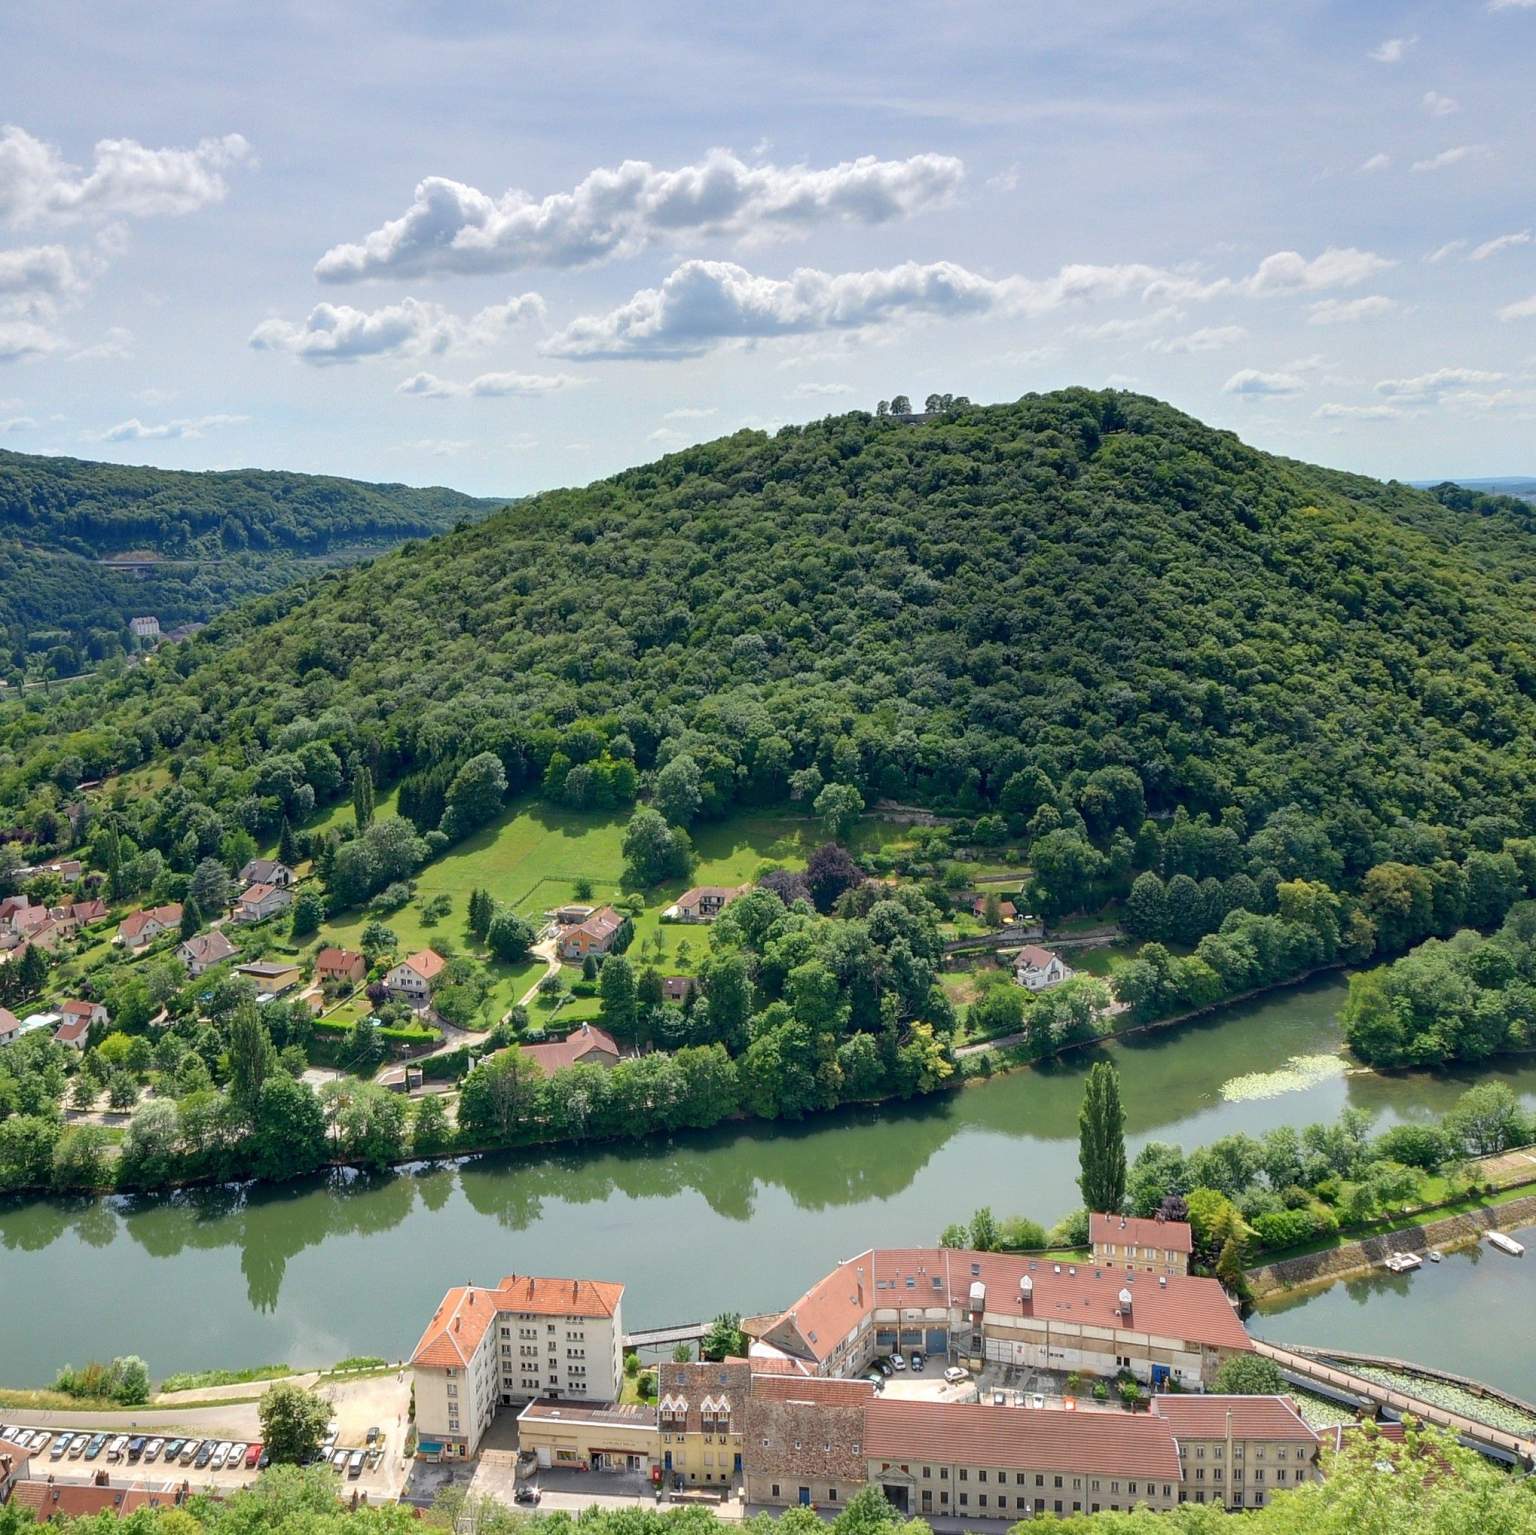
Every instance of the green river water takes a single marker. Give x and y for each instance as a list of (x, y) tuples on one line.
[(740, 1220)]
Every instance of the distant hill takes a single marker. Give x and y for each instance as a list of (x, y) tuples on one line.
[(981, 611), (1519, 485), (198, 541)]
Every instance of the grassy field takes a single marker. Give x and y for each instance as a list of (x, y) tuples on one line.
[(533, 856)]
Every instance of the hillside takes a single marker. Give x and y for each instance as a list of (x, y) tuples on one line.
[(979, 612), (202, 542)]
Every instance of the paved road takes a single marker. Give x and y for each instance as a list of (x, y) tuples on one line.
[(234, 1420)]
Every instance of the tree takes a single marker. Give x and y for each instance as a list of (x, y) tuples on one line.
[(616, 987), (508, 936), (431, 1132), (678, 793), (287, 847), (475, 795), (1248, 1375), (481, 909), (191, 919), (251, 1057), (682, 1354), (725, 1339), (308, 913), (653, 850), (377, 939), (829, 872), (1487, 1119), (362, 796), (1101, 1141), (984, 1233), (293, 1423), (209, 887), (900, 405), (839, 805)]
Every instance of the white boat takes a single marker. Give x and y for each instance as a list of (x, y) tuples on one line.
[(1506, 1244), (1435, 1255), (1402, 1263)]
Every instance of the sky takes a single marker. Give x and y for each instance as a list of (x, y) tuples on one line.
[(506, 247)]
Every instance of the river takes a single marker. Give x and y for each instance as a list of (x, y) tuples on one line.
[(732, 1220)]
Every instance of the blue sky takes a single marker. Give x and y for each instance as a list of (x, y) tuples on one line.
[(507, 247)]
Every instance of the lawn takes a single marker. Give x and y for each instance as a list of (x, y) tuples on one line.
[(533, 855)]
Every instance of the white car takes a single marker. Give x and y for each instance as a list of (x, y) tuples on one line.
[(954, 1375), (897, 1362), (153, 1448), (216, 1463), (235, 1456)]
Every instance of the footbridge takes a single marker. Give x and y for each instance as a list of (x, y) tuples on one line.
[(1307, 1369), (667, 1337)]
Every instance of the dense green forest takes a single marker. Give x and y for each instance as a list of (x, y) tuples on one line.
[(217, 537)]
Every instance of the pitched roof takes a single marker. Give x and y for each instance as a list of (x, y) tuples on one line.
[(208, 948), (337, 959), (571, 1050), (1032, 954), (1186, 1308), (603, 923), (254, 895), (135, 922), (825, 1389), (75, 1008), (71, 1030), (1141, 1231), (1253, 1417), (460, 1321), (1013, 1438), (8, 1020), (259, 871), (427, 963), (725, 893), (73, 1500)]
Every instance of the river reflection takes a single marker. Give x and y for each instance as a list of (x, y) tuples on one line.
[(739, 1218)]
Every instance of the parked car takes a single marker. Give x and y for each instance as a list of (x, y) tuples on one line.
[(252, 1455), (884, 1367), (153, 1448), (917, 1359), (21, 1437), (373, 1436), (173, 1449), (355, 1464), (339, 1459), (60, 1447), (526, 1494), (265, 1461), (77, 1446), (877, 1379), (204, 1453), (236, 1454), (189, 1451), (97, 1444), (897, 1362), (136, 1447), (954, 1375)]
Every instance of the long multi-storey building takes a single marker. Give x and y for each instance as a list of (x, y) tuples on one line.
[(1031, 1313), (526, 1339)]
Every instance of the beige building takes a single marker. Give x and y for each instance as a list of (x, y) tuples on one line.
[(1153, 1245), (701, 1415), (487, 1348), (413, 978), (1238, 1450), (589, 1436)]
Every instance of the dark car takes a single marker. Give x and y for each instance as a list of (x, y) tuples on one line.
[(204, 1454), (95, 1447), (884, 1367), (172, 1450), (135, 1447), (526, 1494), (917, 1359)]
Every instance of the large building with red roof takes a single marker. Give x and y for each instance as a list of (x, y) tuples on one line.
[(1153, 1245), (528, 1338), (1030, 1313)]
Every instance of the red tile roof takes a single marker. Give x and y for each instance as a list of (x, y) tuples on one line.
[(1253, 1417), (427, 963), (822, 1389), (133, 924), (602, 924), (1017, 1439), (74, 1500), (1139, 1230), (571, 1050), (71, 1030), (1033, 954), (459, 1323), (337, 959), (1189, 1309)]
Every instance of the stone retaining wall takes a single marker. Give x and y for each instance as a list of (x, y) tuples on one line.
[(1356, 1258)]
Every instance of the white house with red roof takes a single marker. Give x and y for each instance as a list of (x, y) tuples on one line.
[(527, 1338), (76, 1019), (1038, 968), (258, 902), (413, 978), (142, 927)]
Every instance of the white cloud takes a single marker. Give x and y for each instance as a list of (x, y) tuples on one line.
[(115, 345), (1428, 387), (1524, 309), (338, 333), (1511, 5), (1377, 162), (451, 227), (487, 385), (1438, 105), (1006, 180), (1332, 412), (1445, 252), (1139, 325), (138, 431), (691, 413), (1337, 267), (124, 179), (1451, 157), (820, 391), (1500, 243), (36, 279), (665, 436), (1347, 311), (23, 339), (1211, 338), (1393, 50), (438, 447), (1250, 383), (704, 303), (17, 424)]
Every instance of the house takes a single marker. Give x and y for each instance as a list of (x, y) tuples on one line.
[(272, 977), (340, 967), (1007, 912), (1261, 1443), (68, 870), (805, 1441), (1030, 1313), (22, 922), (593, 936), (79, 913), (569, 916), (10, 1026), (143, 927), (1038, 968), (701, 1415), (11, 1030), (678, 988), (15, 1462), (258, 902), (1155, 1245), (267, 871), (412, 979), (703, 903), (527, 1339), (588, 1436), (400, 1079), (586, 1045), (145, 627), (54, 1499), (77, 1018), (203, 951)]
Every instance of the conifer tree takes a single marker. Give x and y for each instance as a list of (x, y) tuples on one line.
[(1101, 1141)]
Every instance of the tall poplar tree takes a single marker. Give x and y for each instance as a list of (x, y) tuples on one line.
[(362, 796), (1101, 1141)]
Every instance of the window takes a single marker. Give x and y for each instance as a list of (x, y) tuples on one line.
[(831, 1495), (965, 1498), (927, 1473), (775, 1485), (965, 1474), (981, 1476), (982, 1500), (943, 1473), (1056, 1481), (452, 1389)]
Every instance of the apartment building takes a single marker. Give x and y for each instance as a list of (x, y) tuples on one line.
[(1238, 1450), (701, 1414), (1152, 1245), (994, 1308), (527, 1338)]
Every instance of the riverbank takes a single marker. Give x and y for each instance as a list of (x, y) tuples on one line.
[(1349, 1260)]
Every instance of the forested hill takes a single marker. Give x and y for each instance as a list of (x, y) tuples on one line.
[(213, 538), (978, 612)]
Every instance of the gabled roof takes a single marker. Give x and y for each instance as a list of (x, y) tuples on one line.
[(571, 1050), (74, 1500), (254, 895), (71, 1030), (459, 1323), (337, 959), (75, 1008), (260, 871), (1141, 1231), (723, 893), (1253, 1417), (602, 924), (1036, 957), (135, 922), (207, 948), (427, 963)]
